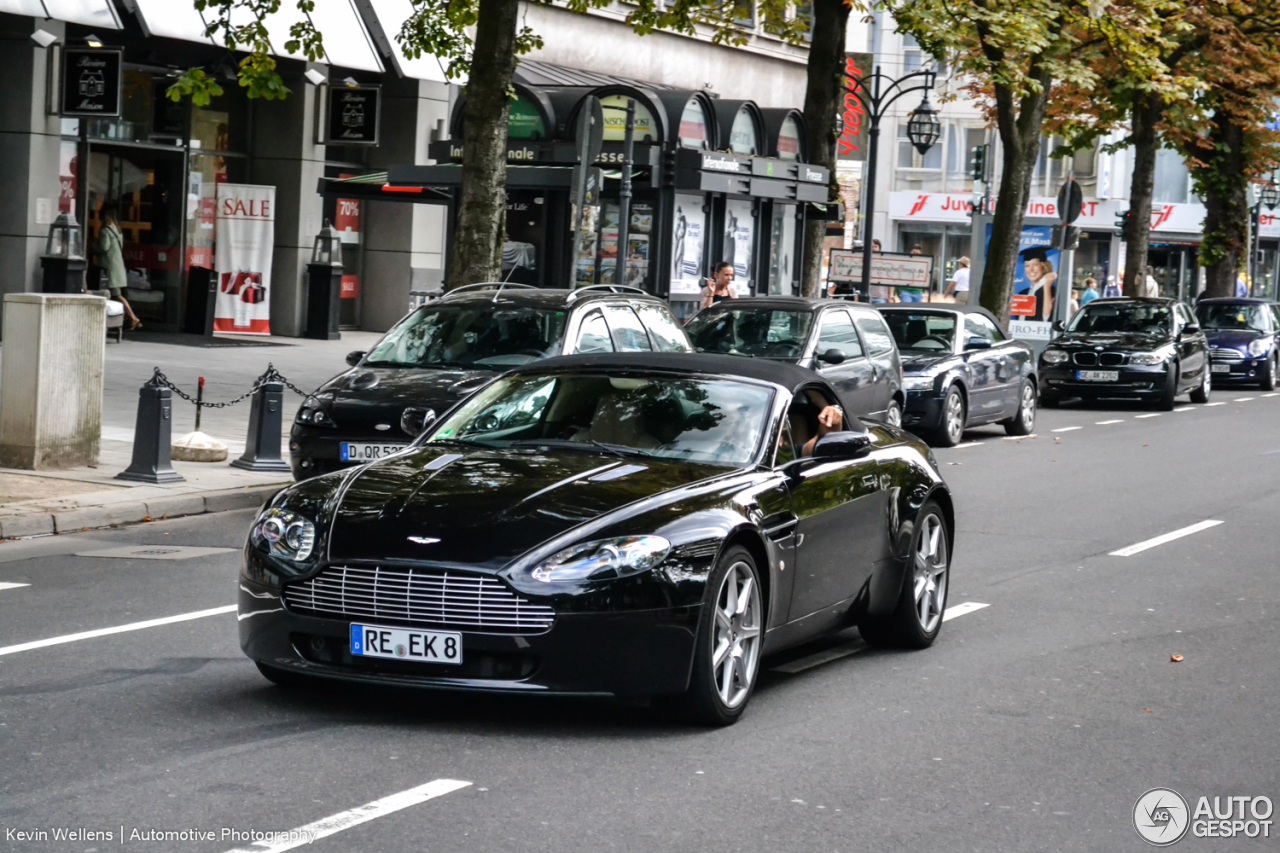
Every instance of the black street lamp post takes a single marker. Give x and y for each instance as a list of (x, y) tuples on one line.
[(1269, 196), (923, 129)]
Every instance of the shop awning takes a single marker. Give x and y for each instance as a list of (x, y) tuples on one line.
[(170, 20), (92, 13), (385, 19), (375, 186)]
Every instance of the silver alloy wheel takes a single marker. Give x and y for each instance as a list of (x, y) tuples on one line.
[(930, 579), (1028, 405), (736, 652), (894, 416), (954, 417), (1206, 384)]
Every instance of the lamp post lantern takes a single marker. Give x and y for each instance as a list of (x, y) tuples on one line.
[(876, 93)]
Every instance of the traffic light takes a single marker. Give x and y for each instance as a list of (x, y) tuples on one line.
[(978, 163), (1122, 224)]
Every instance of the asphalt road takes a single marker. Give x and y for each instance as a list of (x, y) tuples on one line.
[(1034, 723)]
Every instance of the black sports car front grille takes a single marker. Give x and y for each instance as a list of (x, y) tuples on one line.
[(413, 596)]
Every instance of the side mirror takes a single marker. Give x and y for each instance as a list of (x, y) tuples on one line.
[(832, 356), (414, 422), (977, 343), (841, 445), (1191, 329), (353, 358), (1059, 326)]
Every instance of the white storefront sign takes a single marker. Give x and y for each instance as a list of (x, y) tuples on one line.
[(245, 235)]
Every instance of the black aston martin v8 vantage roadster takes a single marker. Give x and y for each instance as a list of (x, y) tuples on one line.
[(610, 525)]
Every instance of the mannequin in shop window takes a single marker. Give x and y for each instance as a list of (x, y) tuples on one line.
[(111, 254)]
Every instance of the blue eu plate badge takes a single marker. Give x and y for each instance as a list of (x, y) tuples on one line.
[(357, 640)]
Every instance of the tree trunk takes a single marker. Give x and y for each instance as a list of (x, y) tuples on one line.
[(1226, 219), (1147, 111), (1020, 138), (822, 101), (482, 202)]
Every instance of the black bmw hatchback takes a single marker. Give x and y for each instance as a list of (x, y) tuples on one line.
[(454, 345), (611, 525), (1135, 349)]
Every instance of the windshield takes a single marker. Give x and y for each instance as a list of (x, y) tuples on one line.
[(470, 336), (1133, 318), (750, 331), (922, 332), (717, 422), (1218, 315)]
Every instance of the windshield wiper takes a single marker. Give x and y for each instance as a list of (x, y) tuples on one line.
[(466, 442), (619, 450)]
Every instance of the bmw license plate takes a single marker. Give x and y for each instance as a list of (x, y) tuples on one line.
[(1221, 368), (406, 644), (361, 451), (1098, 375)]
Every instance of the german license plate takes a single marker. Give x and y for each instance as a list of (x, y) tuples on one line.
[(375, 641), (1097, 375), (361, 451), (1221, 368)]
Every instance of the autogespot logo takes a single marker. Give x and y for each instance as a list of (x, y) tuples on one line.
[(1160, 816)]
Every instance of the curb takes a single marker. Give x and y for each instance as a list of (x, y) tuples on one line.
[(112, 515)]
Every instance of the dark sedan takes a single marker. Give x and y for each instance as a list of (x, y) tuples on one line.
[(961, 369), (454, 345), (1135, 349), (1242, 340), (614, 525), (847, 343)]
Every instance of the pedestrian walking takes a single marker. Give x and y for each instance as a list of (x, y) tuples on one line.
[(911, 294), (959, 286), (111, 259), (1090, 291), (1150, 288)]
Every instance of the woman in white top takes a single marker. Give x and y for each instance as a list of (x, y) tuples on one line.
[(959, 286)]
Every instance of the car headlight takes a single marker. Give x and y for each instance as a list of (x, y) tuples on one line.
[(285, 534), (1259, 347), (917, 383), (312, 412), (604, 559), (1053, 356), (1148, 358)]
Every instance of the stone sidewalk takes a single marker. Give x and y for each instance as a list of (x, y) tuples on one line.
[(36, 503)]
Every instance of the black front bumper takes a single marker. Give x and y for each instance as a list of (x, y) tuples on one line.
[(628, 653), (1245, 369), (923, 411), (1133, 382)]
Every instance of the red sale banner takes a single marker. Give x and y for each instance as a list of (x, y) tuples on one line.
[(245, 235)]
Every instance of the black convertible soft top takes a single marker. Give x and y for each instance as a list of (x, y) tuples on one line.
[(781, 373)]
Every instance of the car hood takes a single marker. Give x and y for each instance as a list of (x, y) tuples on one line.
[(1234, 338), (365, 394), (484, 508), (1128, 340), (914, 363)]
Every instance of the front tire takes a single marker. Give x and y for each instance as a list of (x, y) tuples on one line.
[(1025, 421), (730, 636), (1169, 397), (893, 414), (1268, 381), (951, 429), (1201, 394), (916, 621)]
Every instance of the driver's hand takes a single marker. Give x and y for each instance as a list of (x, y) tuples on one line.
[(831, 418)]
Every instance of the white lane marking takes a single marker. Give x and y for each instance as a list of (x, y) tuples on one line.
[(1242, 399), (1104, 423), (1185, 409), (333, 824), (852, 647), (967, 444), (1147, 415), (1168, 537), (1018, 437), (12, 585), (119, 629), (1067, 429), (1272, 394), (1219, 403), (962, 609)]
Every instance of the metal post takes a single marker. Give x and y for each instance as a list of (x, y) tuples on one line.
[(152, 436), (869, 185), (624, 195), (266, 420), (199, 400)]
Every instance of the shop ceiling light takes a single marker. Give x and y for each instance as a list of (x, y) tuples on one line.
[(315, 77), (44, 38), (92, 40), (351, 82)]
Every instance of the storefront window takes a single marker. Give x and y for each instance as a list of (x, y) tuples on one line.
[(693, 125), (615, 120), (742, 137), (782, 237), (789, 140)]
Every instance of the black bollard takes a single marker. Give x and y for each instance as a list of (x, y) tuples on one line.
[(266, 419), (152, 462)]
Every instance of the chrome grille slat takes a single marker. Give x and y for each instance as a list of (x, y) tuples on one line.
[(420, 597), (1224, 354)]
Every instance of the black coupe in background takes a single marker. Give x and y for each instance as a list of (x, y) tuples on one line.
[(961, 369), (844, 341), (613, 525), (1134, 349), (453, 345)]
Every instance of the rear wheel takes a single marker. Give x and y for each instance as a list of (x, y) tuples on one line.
[(730, 634), (1201, 394), (951, 429), (1268, 380), (1025, 421), (915, 622)]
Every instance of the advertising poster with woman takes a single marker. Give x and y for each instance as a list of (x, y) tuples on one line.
[(1034, 283), (686, 245)]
